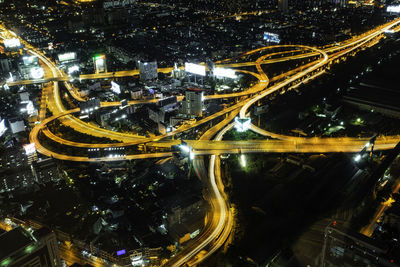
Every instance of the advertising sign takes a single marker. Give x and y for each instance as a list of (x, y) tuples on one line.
[(11, 43), (115, 87), (3, 127), (30, 149), (271, 37), (195, 69), (99, 63), (393, 9), (242, 125), (37, 73), (66, 56), (228, 73)]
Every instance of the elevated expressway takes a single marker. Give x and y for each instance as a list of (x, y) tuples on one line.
[(289, 144), (220, 225)]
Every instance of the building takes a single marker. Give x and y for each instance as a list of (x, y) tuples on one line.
[(103, 117), (374, 97), (283, 6), (17, 125), (156, 114), (24, 96), (90, 105), (5, 65), (168, 103), (136, 93), (148, 70), (343, 247), (46, 171), (120, 53), (193, 103), (20, 248), (15, 171)]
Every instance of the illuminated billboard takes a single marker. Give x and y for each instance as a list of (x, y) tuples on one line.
[(121, 252), (29, 60), (242, 125), (3, 127), (393, 9), (37, 73), (271, 37), (12, 43), (67, 56), (221, 72), (195, 69), (73, 69), (99, 63), (30, 149), (115, 87)]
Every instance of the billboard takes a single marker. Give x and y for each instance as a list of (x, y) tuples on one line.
[(99, 63), (195, 69), (228, 73), (121, 252), (73, 69), (271, 37), (242, 125), (12, 43), (3, 127), (393, 9), (115, 87), (30, 149), (67, 56), (30, 60), (36, 73)]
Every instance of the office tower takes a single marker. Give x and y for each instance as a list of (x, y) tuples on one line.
[(193, 103), (283, 6), (343, 247), (20, 248)]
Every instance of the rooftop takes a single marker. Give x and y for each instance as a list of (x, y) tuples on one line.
[(13, 241)]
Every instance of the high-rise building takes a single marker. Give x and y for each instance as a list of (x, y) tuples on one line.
[(148, 70), (343, 247), (283, 6), (20, 248), (4, 63), (193, 103)]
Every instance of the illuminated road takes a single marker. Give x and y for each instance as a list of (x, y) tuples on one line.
[(215, 235)]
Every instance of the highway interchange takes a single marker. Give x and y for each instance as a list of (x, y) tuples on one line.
[(220, 221)]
